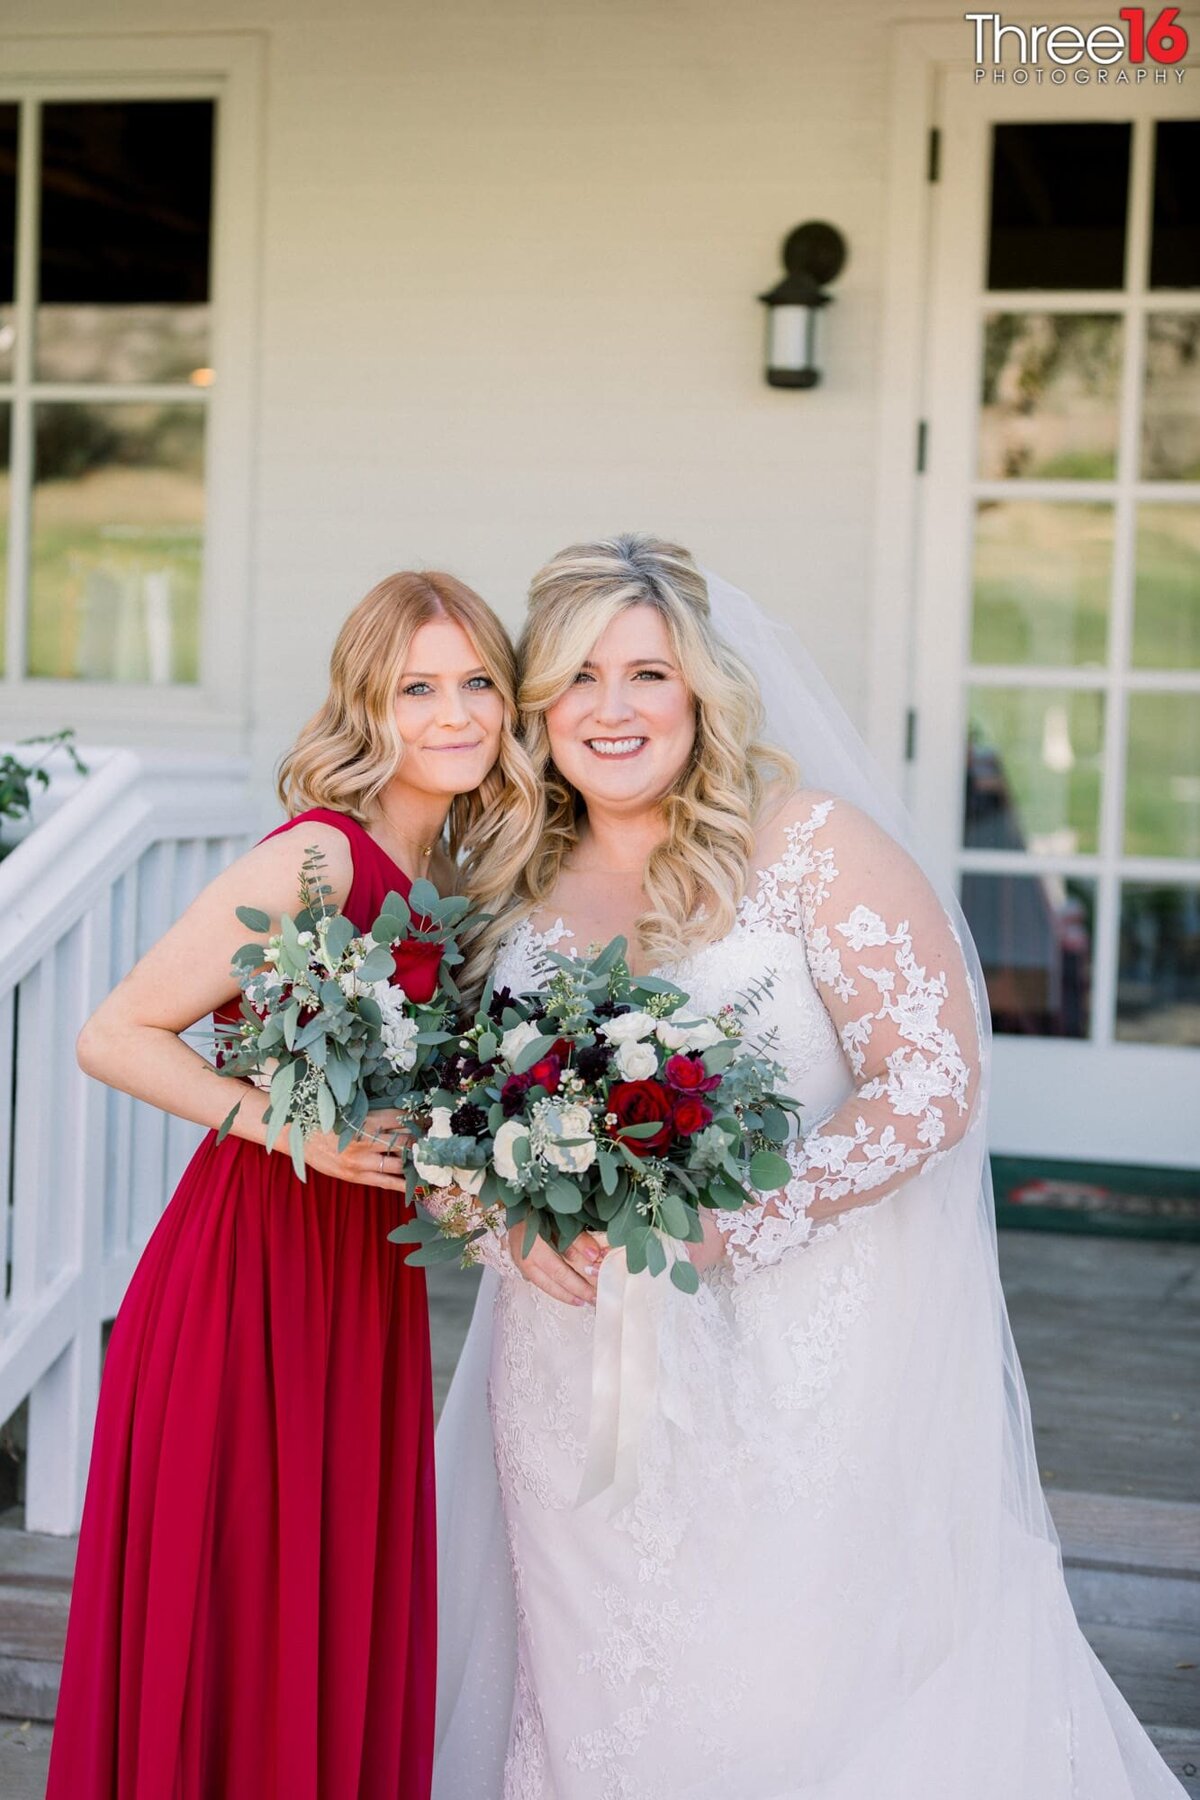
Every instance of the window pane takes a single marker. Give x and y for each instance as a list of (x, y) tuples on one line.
[(5, 429), (1059, 201), (1171, 404), (1050, 388), (1162, 781), (1042, 579), (1034, 936), (1166, 602), (1158, 981), (1033, 770), (118, 522), (126, 219), (9, 120), (1175, 227)]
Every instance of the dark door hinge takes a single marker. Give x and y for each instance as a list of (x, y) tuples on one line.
[(934, 169), (910, 735), (922, 444)]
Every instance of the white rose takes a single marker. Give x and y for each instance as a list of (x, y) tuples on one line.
[(568, 1122), (628, 1028), (636, 1061), (436, 1174), (699, 1035), (509, 1134), (441, 1174), (469, 1180), (516, 1038)]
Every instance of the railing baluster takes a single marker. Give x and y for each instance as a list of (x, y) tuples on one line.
[(85, 1171)]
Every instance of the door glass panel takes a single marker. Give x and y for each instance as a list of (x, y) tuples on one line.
[(9, 118), (1158, 981), (1034, 936), (1041, 583), (1059, 200), (1175, 220), (1050, 396), (126, 213), (118, 519), (1033, 769), (1171, 402), (1162, 782), (1166, 606)]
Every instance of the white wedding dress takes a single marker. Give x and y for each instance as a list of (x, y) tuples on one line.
[(837, 1578)]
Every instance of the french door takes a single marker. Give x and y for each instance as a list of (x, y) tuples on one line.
[(1058, 657)]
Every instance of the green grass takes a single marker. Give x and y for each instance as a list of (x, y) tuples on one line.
[(67, 558)]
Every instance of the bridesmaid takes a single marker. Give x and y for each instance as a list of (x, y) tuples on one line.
[(254, 1606)]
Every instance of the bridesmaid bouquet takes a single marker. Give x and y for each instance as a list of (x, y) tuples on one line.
[(335, 1023), (603, 1103)]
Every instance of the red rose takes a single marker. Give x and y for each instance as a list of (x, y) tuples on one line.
[(687, 1075), (691, 1115), (546, 1073), (416, 970), (641, 1103)]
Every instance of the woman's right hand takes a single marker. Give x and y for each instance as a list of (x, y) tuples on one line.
[(546, 1269), (375, 1158)]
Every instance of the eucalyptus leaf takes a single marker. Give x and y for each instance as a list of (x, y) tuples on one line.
[(326, 1106), (775, 1124), (533, 1052), (488, 1046), (769, 1171), (606, 1163), (563, 1195), (656, 1256), (296, 1146), (637, 1248), (674, 1215), (338, 934), (253, 919), (226, 1124), (685, 1275), (377, 965), (423, 897)]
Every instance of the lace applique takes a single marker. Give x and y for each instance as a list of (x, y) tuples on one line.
[(888, 989)]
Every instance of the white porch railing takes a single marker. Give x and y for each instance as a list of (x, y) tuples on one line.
[(84, 1171)]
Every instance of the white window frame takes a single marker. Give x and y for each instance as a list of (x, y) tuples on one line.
[(228, 69)]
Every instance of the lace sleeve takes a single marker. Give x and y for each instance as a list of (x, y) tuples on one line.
[(461, 1213), (889, 967)]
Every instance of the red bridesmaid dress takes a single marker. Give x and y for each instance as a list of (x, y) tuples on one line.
[(253, 1615)]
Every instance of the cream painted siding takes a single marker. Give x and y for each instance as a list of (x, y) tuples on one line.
[(509, 255)]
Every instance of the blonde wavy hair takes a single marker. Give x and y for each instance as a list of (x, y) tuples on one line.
[(350, 749), (712, 808)]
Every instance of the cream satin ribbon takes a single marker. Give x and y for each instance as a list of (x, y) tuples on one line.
[(630, 1310)]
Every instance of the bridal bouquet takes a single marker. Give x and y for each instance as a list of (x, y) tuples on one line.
[(335, 1023), (603, 1103)]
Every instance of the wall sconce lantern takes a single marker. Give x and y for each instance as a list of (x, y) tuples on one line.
[(813, 255)]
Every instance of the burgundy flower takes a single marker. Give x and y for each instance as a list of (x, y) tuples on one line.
[(691, 1115), (641, 1103), (687, 1075), (513, 1092), (416, 971)]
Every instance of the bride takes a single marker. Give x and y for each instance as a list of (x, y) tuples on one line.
[(833, 1575)]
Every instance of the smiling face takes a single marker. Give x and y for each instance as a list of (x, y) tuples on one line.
[(448, 712), (623, 731)]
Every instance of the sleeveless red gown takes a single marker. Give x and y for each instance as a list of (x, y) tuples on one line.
[(253, 1615)]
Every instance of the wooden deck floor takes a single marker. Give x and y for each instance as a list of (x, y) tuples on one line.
[(1109, 1335)]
